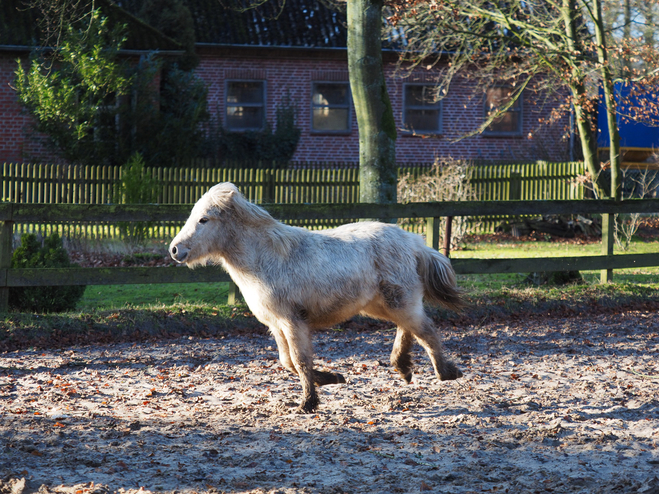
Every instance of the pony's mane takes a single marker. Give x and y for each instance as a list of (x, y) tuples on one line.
[(227, 196)]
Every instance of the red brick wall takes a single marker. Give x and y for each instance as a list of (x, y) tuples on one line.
[(11, 121), (18, 141), (292, 72), (463, 112)]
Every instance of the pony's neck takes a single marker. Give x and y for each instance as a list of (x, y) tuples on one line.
[(252, 246)]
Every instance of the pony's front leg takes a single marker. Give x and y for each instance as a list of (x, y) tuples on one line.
[(284, 352), (321, 378), (298, 337)]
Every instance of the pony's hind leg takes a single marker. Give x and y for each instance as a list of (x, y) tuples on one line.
[(400, 354), (415, 324), (426, 335)]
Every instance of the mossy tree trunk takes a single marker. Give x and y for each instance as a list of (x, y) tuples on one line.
[(609, 99), (580, 99), (375, 118)]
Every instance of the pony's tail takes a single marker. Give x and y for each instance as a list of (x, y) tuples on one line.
[(438, 279)]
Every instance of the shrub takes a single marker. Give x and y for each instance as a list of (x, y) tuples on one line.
[(136, 187), (31, 254), (445, 181), (266, 148)]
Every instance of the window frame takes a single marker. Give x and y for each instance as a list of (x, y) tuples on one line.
[(519, 111), (438, 105), (262, 105), (346, 106)]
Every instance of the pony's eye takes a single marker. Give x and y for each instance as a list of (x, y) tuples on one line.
[(203, 220)]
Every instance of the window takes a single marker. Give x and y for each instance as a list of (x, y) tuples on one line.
[(421, 113), (511, 121), (330, 107), (245, 105)]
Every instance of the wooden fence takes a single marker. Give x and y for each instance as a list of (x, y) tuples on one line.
[(71, 184), (64, 184), (12, 212)]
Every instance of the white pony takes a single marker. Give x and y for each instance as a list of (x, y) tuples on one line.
[(295, 280)]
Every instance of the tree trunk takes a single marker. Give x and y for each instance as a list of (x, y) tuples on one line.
[(375, 118), (610, 102), (579, 96)]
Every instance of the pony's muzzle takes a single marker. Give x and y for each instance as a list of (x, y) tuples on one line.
[(178, 253)]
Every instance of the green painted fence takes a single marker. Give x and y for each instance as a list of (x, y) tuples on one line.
[(68, 184), (11, 213)]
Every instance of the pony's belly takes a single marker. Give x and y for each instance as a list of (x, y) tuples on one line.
[(327, 317), (324, 321)]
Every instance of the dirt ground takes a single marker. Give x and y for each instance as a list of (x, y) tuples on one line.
[(546, 405)]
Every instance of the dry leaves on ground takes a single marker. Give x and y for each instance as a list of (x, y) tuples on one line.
[(546, 405)]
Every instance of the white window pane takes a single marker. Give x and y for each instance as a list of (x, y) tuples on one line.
[(331, 119), (245, 92), (244, 105), (422, 120), (330, 94), (508, 122), (244, 117), (420, 95)]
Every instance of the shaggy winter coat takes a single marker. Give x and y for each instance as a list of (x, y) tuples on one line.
[(295, 280)]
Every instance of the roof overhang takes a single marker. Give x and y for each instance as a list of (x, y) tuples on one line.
[(280, 52), (128, 53)]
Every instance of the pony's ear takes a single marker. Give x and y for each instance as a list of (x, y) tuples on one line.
[(223, 195)]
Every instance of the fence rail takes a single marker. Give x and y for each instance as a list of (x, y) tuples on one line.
[(11, 212), (69, 184), (79, 184)]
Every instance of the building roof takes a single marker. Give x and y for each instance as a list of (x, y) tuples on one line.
[(285, 23), (275, 23), (19, 27)]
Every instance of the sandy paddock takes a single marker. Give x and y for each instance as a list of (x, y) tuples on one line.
[(546, 405)]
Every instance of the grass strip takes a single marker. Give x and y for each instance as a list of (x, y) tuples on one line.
[(152, 322)]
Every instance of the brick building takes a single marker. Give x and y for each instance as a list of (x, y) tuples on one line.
[(251, 61)]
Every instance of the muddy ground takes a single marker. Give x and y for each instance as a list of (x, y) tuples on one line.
[(546, 405)]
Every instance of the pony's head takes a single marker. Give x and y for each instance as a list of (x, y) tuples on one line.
[(215, 225)]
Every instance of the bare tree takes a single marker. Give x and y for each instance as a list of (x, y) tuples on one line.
[(536, 45), (377, 129)]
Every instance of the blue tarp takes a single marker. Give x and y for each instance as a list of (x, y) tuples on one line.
[(632, 134)]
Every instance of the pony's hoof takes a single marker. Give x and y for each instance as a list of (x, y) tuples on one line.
[(323, 378), (309, 405), (451, 372)]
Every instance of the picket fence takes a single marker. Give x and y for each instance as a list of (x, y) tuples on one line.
[(74, 184)]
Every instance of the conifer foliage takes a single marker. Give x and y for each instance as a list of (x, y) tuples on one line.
[(32, 254)]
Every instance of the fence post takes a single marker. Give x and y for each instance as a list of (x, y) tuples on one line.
[(447, 236), (268, 186), (6, 237), (234, 294), (608, 229), (432, 233)]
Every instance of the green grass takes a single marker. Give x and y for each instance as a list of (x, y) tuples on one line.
[(518, 249), (100, 297), (144, 312), (510, 248), (108, 297)]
